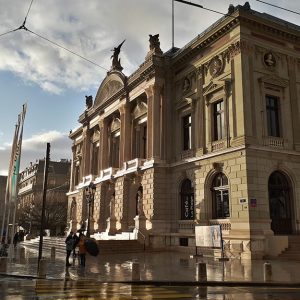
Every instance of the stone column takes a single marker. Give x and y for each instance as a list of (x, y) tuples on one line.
[(294, 103), (86, 151), (103, 144), (125, 141), (72, 179), (103, 190), (200, 114), (154, 120)]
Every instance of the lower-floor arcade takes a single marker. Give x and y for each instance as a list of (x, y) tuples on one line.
[(252, 194)]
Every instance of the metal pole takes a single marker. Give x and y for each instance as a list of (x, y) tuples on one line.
[(43, 203), (89, 215), (172, 24)]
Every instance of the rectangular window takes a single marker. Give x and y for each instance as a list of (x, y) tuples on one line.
[(272, 108), (187, 132), (219, 121)]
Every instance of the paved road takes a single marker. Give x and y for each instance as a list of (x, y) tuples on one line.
[(16, 289)]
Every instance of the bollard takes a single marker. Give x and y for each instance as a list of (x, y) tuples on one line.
[(136, 271), (42, 268), (3, 264), (202, 273), (22, 255), (267, 271), (52, 253)]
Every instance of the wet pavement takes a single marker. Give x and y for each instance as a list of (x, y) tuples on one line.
[(154, 267)]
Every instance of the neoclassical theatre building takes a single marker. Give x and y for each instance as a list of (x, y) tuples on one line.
[(203, 135)]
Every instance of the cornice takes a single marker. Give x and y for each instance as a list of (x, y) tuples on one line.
[(270, 28), (205, 40)]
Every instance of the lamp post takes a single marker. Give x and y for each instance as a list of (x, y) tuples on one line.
[(89, 193)]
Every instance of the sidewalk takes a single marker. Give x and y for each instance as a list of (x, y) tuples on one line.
[(156, 267)]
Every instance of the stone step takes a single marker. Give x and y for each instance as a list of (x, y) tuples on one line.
[(105, 246)]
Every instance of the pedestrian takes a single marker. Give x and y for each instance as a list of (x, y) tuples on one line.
[(82, 249), (69, 247), (76, 240), (16, 239)]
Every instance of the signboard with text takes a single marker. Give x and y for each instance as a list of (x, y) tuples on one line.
[(208, 236)]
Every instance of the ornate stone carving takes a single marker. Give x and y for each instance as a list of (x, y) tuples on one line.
[(186, 85), (154, 45), (216, 66), (109, 89), (116, 61), (115, 124), (269, 60), (88, 101), (140, 109), (218, 166)]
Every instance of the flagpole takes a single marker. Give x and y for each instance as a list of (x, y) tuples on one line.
[(172, 24), (15, 177), (8, 186)]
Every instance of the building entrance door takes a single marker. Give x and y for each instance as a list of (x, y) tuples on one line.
[(280, 204)]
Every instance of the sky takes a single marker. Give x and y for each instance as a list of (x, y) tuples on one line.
[(54, 82)]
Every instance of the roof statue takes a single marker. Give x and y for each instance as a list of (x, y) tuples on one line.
[(88, 101), (116, 61), (154, 45)]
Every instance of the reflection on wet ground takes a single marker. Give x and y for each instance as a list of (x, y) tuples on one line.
[(158, 266), (91, 289)]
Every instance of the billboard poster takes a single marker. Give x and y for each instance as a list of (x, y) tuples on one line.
[(208, 236)]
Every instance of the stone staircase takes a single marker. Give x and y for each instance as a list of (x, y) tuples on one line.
[(105, 246), (293, 250)]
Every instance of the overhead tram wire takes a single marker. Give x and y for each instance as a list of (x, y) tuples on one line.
[(9, 31), (291, 11), (46, 39), (62, 47), (205, 8), (54, 43), (28, 12), (24, 22)]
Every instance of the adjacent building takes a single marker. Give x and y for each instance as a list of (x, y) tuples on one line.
[(3, 180), (31, 192), (203, 135)]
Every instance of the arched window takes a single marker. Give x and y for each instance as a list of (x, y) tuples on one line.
[(280, 204), (187, 200), (220, 197)]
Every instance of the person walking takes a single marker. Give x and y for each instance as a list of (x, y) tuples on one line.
[(76, 240), (82, 249), (69, 247)]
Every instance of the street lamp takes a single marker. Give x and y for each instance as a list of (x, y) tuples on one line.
[(89, 193)]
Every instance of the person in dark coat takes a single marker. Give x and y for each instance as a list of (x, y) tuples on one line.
[(76, 240), (16, 239), (69, 247)]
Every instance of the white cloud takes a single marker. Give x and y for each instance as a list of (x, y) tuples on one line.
[(92, 28), (34, 148)]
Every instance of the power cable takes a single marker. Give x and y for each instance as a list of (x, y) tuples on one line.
[(46, 39), (28, 12), (292, 11), (202, 7), (62, 47), (9, 32), (57, 187)]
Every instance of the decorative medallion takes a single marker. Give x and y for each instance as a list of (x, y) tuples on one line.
[(269, 59), (186, 85), (215, 66)]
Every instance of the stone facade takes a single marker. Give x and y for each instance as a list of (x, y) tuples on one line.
[(30, 193), (203, 135)]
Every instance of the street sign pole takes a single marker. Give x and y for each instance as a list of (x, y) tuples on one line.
[(44, 202)]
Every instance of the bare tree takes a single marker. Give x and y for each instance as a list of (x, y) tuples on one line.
[(29, 213)]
